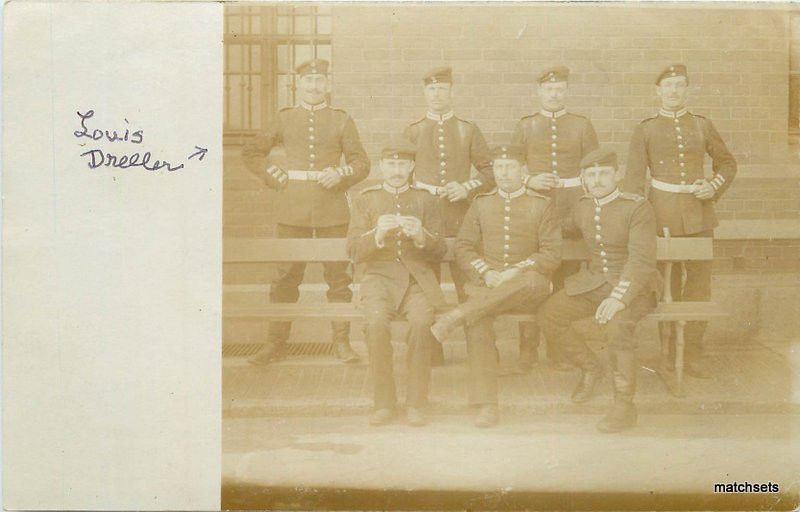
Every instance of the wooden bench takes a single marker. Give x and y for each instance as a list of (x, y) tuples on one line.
[(671, 251)]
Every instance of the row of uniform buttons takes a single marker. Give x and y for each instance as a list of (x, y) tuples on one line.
[(442, 161), (599, 238), (506, 229), (679, 139), (397, 211), (311, 155)]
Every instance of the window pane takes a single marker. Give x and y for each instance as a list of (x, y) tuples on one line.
[(324, 9), (284, 24), (256, 99), (302, 25), (285, 94), (255, 24), (255, 57), (284, 65), (323, 25), (234, 61), (234, 24), (324, 51), (302, 53)]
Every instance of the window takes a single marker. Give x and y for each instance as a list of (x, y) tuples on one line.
[(262, 47)]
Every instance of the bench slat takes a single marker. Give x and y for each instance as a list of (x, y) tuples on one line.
[(272, 250), (350, 312)]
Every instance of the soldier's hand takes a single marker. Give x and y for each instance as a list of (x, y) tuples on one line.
[(455, 191), (607, 309), (329, 178), (412, 228), (543, 181), (704, 190), (510, 273), (385, 224), (492, 278)]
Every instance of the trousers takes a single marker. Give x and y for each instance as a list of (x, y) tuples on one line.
[(285, 287)]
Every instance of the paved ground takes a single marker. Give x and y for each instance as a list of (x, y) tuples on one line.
[(538, 457)]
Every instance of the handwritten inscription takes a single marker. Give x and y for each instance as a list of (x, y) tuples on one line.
[(101, 157)]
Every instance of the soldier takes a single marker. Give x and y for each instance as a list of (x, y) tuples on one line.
[(509, 245), (395, 236), (618, 288), (555, 141), (311, 199), (673, 145), (447, 148)]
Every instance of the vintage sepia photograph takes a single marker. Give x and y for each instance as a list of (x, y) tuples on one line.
[(511, 256)]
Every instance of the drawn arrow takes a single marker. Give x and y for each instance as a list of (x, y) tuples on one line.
[(200, 151)]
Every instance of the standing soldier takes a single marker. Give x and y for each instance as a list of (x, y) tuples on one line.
[(618, 288), (673, 145), (509, 245), (395, 235), (311, 199), (555, 141), (447, 148)]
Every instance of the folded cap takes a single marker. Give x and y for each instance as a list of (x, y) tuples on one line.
[(438, 75), (509, 151), (554, 74), (313, 67), (600, 157), (672, 70)]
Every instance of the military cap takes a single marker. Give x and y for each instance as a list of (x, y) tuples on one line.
[(673, 70), (438, 75), (313, 67), (398, 151), (600, 157), (554, 74), (509, 151)]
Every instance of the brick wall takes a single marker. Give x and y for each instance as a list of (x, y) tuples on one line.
[(738, 60)]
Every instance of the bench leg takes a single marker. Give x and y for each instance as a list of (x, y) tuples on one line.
[(680, 343)]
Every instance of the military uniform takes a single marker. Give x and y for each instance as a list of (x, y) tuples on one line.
[(398, 279), (555, 142), (447, 148), (501, 231), (619, 230), (673, 146), (315, 137)]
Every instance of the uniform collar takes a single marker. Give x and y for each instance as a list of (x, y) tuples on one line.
[(553, 115), (313, 108), (511, 195), (673, 115), (607, 199), (395, 191), (439, 118)]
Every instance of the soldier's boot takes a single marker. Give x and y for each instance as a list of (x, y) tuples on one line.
[(487, 416), (270, 352), (587, 385), (577, 353), (446, 324), (623, 413), (528, 354), (341, 335)]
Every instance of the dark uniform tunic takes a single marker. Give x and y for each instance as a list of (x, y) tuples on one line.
[(555, 142), (398, 279), (619, 231), (673, 146), (503, 231), (314, 138)]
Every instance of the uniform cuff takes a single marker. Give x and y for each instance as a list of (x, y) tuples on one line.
[(480, 266), (277, 173), (525, 264), (718, 181), (620, 290), (345, 171), (471, 185)]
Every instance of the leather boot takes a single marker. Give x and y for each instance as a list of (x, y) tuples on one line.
[(269, 353), (528, 355), (587, 386), (446, 324), (341, 340)]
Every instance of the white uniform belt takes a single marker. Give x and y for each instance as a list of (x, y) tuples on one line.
[(433, 189), (304, 175), (569, 182), (672, 187)]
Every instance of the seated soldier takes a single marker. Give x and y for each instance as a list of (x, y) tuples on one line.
[(619, 286), (394, 239), (509, 244)]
